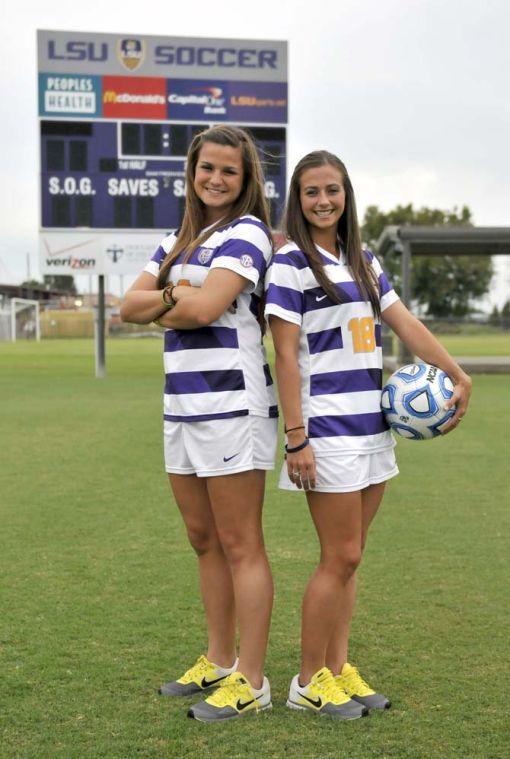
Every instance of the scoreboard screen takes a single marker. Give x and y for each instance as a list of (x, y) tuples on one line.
[(116, 117), (127, 175)]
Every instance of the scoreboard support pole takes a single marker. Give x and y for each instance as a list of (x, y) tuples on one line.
[(100, 329), (404, 354)]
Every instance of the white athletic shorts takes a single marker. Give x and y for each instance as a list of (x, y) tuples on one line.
[(220, 446), (344, 473)]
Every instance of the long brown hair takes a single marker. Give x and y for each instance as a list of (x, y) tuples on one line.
[(296, 228), (251, 199)]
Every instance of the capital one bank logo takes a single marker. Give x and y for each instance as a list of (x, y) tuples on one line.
[(131, 53), (190, 99)]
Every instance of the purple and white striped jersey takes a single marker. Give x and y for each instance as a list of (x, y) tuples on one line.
[(340, 357), (220, 371)]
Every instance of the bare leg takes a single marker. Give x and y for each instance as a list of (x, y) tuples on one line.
[(215, 578), (236, 501), (337, 518), (336, 654)]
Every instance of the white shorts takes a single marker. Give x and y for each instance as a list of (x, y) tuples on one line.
[(347, 472), (220, 446)]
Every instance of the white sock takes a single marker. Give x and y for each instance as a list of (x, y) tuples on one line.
[(259, 691), (228, 670)]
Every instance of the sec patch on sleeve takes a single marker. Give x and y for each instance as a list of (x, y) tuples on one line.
[(246, 261)]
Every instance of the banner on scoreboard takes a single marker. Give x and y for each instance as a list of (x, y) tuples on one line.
[(199, 58), (152, 98)]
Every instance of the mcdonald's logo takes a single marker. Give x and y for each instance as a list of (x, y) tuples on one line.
[(109, 96)]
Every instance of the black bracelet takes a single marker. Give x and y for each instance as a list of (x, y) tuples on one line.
[(301, 427), (298, 447)]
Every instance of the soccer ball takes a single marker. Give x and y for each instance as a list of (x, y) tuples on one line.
[(413, 401)]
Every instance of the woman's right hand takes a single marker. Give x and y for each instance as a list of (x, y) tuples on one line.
[(183, 291), (301, 465)]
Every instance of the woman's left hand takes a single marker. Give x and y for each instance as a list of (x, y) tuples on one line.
[(460, 399)]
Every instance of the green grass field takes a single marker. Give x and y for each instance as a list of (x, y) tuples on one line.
[(489, 344), (100, 601), (497, 344)]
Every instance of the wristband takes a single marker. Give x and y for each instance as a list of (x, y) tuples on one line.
[(166, 296), (298, 447)]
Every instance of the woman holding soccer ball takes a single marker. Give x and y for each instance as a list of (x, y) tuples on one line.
[(325, 301), (204, 286)]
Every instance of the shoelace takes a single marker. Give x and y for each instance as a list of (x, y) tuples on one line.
[(355, 682), (329, 689), (200, 668), (230, 691)]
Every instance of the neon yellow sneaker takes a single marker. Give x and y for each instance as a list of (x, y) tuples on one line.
[(351, 681), (323, 696), (201, 676), (234, 698)]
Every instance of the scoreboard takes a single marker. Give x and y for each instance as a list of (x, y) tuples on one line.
[(129, 174), (117, 114)]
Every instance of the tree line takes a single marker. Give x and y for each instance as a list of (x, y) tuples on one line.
[(444, 285)]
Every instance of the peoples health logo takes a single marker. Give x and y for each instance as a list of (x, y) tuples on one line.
[(131, 53), (69, 95)]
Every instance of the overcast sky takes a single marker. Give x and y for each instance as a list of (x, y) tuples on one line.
[(412, 94)]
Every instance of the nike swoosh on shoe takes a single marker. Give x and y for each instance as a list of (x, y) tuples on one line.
[(207, 683), (240, 706), (317, 703)]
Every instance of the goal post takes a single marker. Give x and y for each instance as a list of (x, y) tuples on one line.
[(25, 321)]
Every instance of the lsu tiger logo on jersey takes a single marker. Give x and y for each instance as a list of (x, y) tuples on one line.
[(205, 255), (131, 53)]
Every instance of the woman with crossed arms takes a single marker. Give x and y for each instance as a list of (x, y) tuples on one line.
[(219, 409)]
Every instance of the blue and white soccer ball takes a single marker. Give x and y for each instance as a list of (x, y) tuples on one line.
[(413, 401)]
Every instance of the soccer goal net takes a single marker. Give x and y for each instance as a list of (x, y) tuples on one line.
[(19, 320)]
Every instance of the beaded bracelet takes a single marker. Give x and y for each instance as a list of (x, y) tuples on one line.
[(297, 447)]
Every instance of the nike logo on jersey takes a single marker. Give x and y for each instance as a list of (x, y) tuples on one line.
[(240, 706), (314, 702), (321, 298), (228, 458), (208, 683)]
